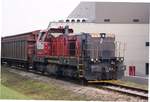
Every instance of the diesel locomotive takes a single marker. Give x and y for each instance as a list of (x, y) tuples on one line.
[(60, 52)]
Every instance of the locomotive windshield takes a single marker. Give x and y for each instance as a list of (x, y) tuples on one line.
[(42, 36)]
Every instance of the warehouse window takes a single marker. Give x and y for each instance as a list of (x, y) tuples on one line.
[(78, 20), (147, 68), (106, 20), (83, 20), (67, 20), (72, 20), (135, 20), (147, 44)]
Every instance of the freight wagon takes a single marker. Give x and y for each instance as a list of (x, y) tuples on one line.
[(59, 52), (19, 49)]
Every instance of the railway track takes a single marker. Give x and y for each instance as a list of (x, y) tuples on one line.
[(137, 92)]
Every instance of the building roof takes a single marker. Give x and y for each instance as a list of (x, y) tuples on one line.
[(112, 12)]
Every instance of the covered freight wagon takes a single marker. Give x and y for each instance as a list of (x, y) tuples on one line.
[(19, 48)]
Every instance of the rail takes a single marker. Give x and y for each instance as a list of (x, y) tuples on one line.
[(137, 92)]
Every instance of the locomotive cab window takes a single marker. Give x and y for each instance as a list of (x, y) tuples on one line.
[(72, 48), (41, 36)]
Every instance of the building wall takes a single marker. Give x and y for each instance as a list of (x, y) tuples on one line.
[(116, 12), (121, 12), (133, 35)]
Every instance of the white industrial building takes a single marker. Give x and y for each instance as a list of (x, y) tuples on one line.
[(128, 21)]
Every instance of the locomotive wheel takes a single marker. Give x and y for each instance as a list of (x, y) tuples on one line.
[(40, 67), (51, 69), (26, 66), (9, 64), (44, 69), (34, 66), (83, 81)]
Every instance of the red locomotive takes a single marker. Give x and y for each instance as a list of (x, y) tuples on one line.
[(59, 52)]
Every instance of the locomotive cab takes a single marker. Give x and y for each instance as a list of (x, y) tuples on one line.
[(42, 44), (45, 38)]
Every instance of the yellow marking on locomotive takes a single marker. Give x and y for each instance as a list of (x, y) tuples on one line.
[(95, 34), (53, 61), (110, 35)]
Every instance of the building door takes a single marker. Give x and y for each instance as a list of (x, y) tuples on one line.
[(132, 70), (147, 68)]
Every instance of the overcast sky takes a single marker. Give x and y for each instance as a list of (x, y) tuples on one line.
[(19, 16)]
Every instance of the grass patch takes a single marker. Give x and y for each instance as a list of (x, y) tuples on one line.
[(7, 93), (36, 89)]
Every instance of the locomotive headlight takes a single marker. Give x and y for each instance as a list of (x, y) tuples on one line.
[(122, 59), (92, 59), (96, 59)]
